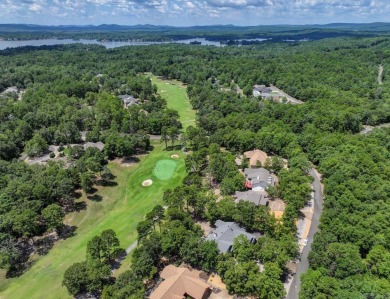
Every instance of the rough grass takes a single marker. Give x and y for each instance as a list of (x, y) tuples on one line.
[(164, 169), (121, 208), (176, 95)]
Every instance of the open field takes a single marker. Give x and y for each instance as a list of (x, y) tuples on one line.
[(175, 94), (121, 208)]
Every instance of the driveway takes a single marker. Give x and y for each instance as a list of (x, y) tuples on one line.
[(303, 265)]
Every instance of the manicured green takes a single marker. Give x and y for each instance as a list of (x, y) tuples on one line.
[(164, 169), (121, 208), (176, 95)]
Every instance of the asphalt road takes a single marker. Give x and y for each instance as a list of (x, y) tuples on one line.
[(303, 265)]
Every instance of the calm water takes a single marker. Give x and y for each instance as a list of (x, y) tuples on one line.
[(108, 44)]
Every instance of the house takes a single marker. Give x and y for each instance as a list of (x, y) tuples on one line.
[(128, 100), (255, 156), (99, 145), (9, 90), (180, 283), (225, 233), (259, 198), (258, 179), (261, 90)]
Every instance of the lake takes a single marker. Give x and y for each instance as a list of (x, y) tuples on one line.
[(4, 44)]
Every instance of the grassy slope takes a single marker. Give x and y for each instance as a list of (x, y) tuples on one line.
[(121, 208), (176, 95)]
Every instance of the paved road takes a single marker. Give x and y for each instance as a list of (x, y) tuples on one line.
[(367, 129), (303, 265), (289, 98), (380, 74)]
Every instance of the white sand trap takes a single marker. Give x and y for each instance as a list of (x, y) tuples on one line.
[(147, 183), (175, 156)]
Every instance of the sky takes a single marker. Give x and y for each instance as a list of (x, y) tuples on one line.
[(192, 12)]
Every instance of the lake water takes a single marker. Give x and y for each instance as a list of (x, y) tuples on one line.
[(4, 44)]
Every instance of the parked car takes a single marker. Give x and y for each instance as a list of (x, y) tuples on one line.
[(304, 242)]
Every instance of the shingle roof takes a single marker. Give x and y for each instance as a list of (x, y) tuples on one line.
[(128, 99), (178, 282), (256, 197), (225, 233), (256, 155)]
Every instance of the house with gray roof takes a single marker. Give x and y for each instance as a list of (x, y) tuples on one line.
[(261, 90), (225, 233), (258, 179), (128, 100), (259, 198)]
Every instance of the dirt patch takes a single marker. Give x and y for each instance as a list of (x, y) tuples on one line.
[(205, 227), (175, 156), (147, 183)]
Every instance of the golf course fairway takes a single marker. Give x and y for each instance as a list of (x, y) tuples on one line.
[(119, 207)]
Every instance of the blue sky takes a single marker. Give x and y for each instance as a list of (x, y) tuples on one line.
[(192, 12)]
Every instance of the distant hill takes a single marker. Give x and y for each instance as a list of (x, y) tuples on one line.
[(368, 27), (223, 33)]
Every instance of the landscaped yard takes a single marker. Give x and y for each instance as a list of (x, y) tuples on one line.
[(176, 95), (121, 208)]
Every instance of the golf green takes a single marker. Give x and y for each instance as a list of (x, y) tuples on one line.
[(164, 169)]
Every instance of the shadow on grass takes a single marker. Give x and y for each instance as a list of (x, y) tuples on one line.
[(37, 245), (105, 183), (77, 207), (95, 197), (176, 147)]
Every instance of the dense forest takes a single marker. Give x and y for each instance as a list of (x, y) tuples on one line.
[(69, 89)]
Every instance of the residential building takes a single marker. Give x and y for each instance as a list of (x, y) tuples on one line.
[(225, 233), (128, 100), (180, 283), (259, 198), (258, 179), (256, 156)]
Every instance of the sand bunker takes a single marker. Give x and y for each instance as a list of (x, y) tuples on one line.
[(175, 156), (147, 183)]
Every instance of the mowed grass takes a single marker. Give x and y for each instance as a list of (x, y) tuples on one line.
[(164, 169), (176, 95), (121, 208)]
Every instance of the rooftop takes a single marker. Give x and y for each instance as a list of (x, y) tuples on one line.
[(225, 233), (180, 282), (260, 178), (256, 197)]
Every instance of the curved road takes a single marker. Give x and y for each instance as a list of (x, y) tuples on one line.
[(303, 265)]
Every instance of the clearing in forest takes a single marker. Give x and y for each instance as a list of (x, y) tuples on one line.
[(177, 99)]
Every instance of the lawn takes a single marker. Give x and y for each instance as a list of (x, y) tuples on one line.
[(121, 208), (176, 95)]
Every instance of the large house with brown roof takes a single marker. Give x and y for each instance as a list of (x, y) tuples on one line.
[(256, 155), (181, 283)]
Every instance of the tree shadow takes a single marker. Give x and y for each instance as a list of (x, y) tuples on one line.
[(176, 147), (117, 262), (129, 160), (20, 268), (77, 207), (44, 244), (106, 183), (95, 197), (67, 232)]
